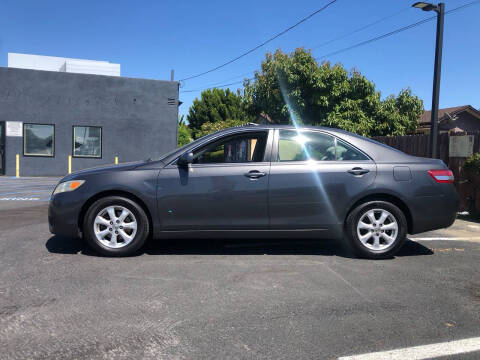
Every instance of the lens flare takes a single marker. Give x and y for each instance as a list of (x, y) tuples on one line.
[(303, 140)]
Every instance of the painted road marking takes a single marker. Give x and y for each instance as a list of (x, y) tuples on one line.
[(26, 192), (422, 352), (21, 199), (445, 238)]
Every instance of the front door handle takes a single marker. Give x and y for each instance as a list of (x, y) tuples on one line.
[(255, 174), (358, 171)]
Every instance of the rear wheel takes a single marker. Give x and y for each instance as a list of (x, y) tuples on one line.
[(376, 229), (115, 226)]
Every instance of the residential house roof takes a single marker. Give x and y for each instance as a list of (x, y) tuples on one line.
[(425, 118)]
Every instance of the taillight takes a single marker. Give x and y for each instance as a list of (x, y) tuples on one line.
[(441, 176)]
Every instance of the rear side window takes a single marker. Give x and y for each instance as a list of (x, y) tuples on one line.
[(348, 152), (305, 145), (309, 145)]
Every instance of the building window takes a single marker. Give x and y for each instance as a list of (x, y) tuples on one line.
[(38, 140), (87, 141)]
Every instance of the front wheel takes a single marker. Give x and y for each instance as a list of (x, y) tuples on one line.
[(115, 226), (376, 229)]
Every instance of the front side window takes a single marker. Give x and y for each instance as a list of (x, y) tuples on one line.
[(309, 145), (87, 141), (38, 139), (242, 148)]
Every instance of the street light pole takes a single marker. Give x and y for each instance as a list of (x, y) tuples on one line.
[(440, 10), (436, 81)]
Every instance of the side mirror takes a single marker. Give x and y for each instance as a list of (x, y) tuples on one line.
[(185, 159)]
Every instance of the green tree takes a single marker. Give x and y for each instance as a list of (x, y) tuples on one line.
[(211, 127), (295, 88), (216, 105), (184, 133)]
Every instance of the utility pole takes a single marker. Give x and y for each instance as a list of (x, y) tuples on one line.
[(436, 81), (440, 10)]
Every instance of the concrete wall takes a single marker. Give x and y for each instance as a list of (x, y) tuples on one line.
[(54, 63), (135, 115)]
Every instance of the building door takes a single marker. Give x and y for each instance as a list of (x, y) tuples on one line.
[(2, 147)]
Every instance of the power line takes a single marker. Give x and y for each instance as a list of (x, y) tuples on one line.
[(262, 44), (380, 37), (220, 82), (404, 28), (219, 86), (361, 28), (320, 45), (377, 38)]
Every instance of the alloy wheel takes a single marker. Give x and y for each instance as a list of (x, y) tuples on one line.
[(377, 229), (115, 226)]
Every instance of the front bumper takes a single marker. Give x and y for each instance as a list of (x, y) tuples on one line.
[(63, 214)]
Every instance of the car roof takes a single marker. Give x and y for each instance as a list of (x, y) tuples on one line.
[(286, 127), (377, 151)]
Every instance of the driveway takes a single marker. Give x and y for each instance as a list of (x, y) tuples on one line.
[(242, 299)]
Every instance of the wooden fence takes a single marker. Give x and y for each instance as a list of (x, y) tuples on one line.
[(418, 145)]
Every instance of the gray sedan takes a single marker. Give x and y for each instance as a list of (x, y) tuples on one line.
[(262, 181)]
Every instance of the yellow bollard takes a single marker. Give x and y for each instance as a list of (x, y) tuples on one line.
[(17, 168), (116, 160), (69, 164)]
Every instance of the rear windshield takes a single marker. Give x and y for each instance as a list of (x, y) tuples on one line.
[(369, 140)]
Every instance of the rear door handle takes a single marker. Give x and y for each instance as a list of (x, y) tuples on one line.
[(358, 171), (255, 174)]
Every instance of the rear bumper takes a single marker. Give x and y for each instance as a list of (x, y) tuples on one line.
[(433, 223), (63, 215), (434, 212)]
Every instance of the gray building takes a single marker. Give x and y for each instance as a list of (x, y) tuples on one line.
[(47, 116)]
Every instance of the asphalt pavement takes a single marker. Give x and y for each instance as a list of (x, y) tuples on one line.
[(229, 299)]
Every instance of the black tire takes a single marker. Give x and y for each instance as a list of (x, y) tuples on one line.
[(142, 229), (362, 250)]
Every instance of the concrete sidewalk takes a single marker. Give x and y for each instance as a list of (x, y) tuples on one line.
[(461, 230)]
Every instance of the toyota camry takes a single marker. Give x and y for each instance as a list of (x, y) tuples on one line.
[(262, 181)]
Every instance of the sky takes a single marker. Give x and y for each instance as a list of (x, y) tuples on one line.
[(149, 38)]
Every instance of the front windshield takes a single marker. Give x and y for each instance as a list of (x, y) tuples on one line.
[(171, 152), (180, 149)]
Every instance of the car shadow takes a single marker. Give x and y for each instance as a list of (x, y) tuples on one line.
[(68, 245), (268, 247), (64, 245)]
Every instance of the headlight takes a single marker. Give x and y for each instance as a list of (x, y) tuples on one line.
[(68, 186)]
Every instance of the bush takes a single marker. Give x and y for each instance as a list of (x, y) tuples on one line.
[(211, 127), (472, 168), (472, 164), (184, 135)]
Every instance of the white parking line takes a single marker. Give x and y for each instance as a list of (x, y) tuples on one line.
[(445, 238), (423, 351), (19, 199)]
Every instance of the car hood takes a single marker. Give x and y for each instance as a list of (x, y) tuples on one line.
[(102, 169)]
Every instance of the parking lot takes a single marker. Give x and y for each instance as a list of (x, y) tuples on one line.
[(229, 299)]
